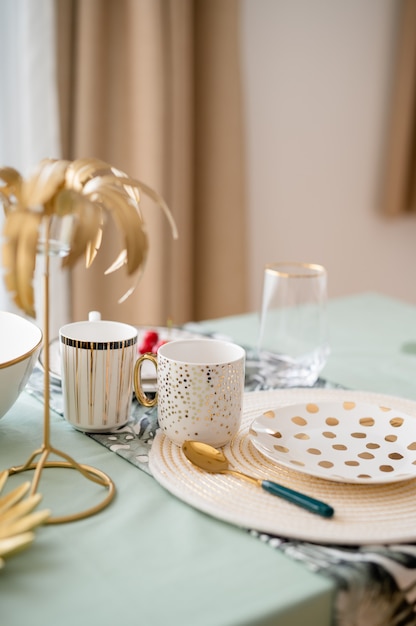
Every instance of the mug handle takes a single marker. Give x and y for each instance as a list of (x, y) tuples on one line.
[(140, 394)]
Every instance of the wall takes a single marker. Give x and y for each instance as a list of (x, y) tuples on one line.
[(317, 75)]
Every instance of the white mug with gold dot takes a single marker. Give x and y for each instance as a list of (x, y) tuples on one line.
[(200, 387)]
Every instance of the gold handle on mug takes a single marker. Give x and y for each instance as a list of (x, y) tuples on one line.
[(140, 394)]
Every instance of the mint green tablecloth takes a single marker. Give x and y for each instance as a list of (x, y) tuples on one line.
[(151, 560), (146, 560)]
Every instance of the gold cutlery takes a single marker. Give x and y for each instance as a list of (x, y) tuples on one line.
[(212, 460)]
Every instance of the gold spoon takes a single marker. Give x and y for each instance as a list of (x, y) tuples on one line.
[(212, 460)]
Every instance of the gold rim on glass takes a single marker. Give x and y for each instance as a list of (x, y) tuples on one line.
[(297, 271)]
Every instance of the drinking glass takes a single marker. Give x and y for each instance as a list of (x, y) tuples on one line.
[(293, 343)]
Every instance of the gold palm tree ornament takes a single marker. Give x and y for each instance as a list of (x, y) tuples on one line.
[(61, 210)]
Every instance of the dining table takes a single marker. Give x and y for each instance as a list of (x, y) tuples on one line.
[(177, 547)]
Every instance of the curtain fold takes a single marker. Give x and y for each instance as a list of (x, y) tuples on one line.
[(153, 87), (29, 121), (220, 260), (399, 185)]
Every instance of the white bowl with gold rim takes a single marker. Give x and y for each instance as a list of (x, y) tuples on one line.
[(20, 343)]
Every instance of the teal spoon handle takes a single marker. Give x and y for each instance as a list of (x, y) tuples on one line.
[(308, 503)]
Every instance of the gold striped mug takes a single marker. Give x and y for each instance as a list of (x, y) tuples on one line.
[(97, 366)]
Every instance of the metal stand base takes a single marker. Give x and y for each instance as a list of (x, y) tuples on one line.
[(91, 473), (95, 475)]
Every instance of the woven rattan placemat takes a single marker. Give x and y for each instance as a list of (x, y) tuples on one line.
[(364, 513)]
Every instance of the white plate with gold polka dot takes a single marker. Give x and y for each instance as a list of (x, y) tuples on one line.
[(343, 441)]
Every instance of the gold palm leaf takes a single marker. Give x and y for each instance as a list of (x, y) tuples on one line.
[(87, 222), (11, 185), (118, 262), (120, 206), (21, 232), (44, 183), (25, 260), (10, 176), (18, 518), (11, 180), (12, 229), (131, 186), (82, 170), (93, 246), (86, 189), (157, 198)]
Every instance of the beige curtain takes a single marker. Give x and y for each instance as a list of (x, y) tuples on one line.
[(399, 193), (153, 87)]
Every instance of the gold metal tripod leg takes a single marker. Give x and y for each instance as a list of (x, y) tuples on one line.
[(91, 473)]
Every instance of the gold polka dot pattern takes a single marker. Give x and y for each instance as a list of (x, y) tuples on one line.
[(199, 401), (343, 441)]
